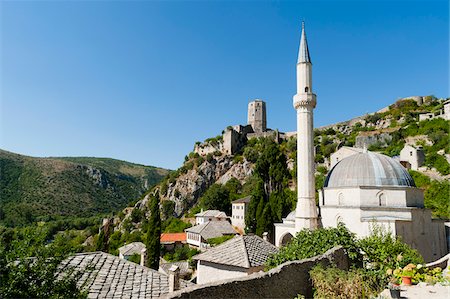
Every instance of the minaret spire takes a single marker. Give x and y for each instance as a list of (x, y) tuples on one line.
[(305, 102), (303, 53)]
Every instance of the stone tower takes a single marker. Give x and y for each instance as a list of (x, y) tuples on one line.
[(304, 103), (257, 116)]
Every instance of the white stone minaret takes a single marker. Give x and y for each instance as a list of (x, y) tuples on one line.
[(304, 103)]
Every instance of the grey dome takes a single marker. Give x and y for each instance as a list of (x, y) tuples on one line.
[(368, 169)]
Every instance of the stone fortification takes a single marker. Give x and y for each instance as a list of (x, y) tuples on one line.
[(285, 281)]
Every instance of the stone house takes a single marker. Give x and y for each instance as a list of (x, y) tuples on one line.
[(238, 210), (412, 157), (343, 153), (210, 215), (126, 251), (240, 256), (199, 235), (170, 241)]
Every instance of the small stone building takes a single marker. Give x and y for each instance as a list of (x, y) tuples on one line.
[(343, 153), (412, 157), (210, 215), (170, 241), (238, 210), (240, 256), (199, 235), (126, 251)]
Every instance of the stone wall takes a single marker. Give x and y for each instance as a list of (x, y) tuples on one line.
[(284, 281)]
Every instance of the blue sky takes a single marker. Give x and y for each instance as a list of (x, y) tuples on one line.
[(142, 81)]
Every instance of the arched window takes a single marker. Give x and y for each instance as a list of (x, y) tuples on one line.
[(340, 199), (339, 220), (286, 239), (382, 200), (306, 89)]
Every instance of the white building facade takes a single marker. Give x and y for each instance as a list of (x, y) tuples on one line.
[(370, 189), (412, 157), (238, 210)]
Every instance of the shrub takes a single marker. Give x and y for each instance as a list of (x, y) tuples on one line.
[(174, 225), (308, 243), (219, 240), (383, 251), (336, 283)]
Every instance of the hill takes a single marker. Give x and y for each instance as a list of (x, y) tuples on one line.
[(40, 188), (211, 178)]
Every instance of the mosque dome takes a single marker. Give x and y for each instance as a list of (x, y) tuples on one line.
[(291, 216), (368, 169)]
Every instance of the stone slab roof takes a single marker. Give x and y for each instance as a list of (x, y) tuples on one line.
[(107, 276), (132, 248), (211, 213), (243, 200), (241, 251), (212, 229)]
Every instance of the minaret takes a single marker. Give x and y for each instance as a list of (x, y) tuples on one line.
[(304, 103)]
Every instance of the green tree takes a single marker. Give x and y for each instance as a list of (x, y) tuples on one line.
[(270, 200), (29, 267), (308, 243), (153, 233), (168, 209), (216, 198)]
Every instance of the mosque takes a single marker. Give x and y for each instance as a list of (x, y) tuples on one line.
[(362, 190)]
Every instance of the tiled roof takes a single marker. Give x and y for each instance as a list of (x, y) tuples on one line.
[(173, 237), (107, 276), (132, 248), (241, 251), (183, 265), (212, 229), (243, 200), (211, 213)]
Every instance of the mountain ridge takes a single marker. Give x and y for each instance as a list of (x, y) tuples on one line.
[(34, 188)]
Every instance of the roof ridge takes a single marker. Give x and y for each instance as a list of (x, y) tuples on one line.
[(247, 260)]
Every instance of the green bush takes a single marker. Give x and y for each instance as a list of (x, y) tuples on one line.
[(174, 225), (308, 243), (336, 283), (439, 162), (219, 240), (384, 251), (180, 254)]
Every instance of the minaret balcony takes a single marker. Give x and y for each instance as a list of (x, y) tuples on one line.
[(304, 100)]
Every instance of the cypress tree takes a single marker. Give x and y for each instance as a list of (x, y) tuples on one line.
[(153, 233)]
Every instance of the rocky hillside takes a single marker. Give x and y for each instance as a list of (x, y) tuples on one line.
[(187, 184), (386, 131), (39, 188)]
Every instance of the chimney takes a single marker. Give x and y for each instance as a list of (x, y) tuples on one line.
[(143, 257), (265, 234), (174, 278)]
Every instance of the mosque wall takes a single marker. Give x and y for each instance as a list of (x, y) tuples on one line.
[(424, 234)]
